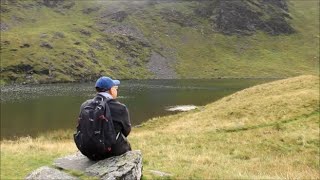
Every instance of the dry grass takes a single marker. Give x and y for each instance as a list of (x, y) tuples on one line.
[(275, 135), (269, 131), (20, 157)]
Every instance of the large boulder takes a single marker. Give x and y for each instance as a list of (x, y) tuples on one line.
[(77, 162), (126, 166), (48, 173)]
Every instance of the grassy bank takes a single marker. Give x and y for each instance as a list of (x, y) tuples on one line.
[(269, 131)]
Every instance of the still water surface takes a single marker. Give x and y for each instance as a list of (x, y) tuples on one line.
[(33, 109)]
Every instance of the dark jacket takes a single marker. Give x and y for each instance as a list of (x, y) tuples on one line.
[(121, 121), (120, 116)]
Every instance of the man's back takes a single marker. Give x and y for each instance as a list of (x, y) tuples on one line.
[(107, 90)]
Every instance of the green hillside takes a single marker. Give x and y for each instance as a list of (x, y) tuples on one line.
[(269, 131), (64, 41)]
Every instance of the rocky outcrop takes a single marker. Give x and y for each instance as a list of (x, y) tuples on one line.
[(89, 10), (52, 3), (127, 166), (161, 67), (122, 29), (118, 16), (247, 16), (3, 26), (178, 17)]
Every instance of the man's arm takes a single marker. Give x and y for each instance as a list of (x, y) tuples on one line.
[(126, 122)]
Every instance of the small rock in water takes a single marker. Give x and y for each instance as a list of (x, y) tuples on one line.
[(182, 108)]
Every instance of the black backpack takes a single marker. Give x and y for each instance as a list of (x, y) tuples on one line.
[(95, 131)]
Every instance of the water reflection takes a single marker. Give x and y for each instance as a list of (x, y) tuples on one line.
[(32, 109)]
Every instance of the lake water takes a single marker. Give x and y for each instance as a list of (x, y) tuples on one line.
[(33, 109)]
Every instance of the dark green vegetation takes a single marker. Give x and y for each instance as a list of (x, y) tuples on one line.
[(62, 41)]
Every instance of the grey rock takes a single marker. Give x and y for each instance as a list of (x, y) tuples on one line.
[(25, 45), (119, 16), (43, 35), (126, 166), (58, 35), (90, 10), (46, 45), (124, 30), (69, 5), (85, 32), (51, 3), (75, 161), (3, 26), (46, 172)]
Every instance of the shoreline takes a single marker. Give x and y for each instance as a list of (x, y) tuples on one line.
[(12, 84)]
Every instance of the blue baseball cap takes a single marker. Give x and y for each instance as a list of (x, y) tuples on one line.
[(106, 82)]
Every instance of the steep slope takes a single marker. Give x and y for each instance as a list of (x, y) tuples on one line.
[(58, 41)]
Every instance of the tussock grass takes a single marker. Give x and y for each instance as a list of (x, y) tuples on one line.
[(20, 157), (269, 131)]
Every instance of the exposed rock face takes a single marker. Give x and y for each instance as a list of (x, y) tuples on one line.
[(124, 30), (247, 16), (46, 172), (119, 16), (160, 67)]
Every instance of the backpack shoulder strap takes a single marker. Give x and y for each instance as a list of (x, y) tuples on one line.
[(102, 99), (104, 102)]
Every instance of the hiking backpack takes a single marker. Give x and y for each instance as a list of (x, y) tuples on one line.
[(95, 131)]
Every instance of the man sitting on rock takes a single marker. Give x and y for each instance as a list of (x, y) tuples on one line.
[(93, 134)]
